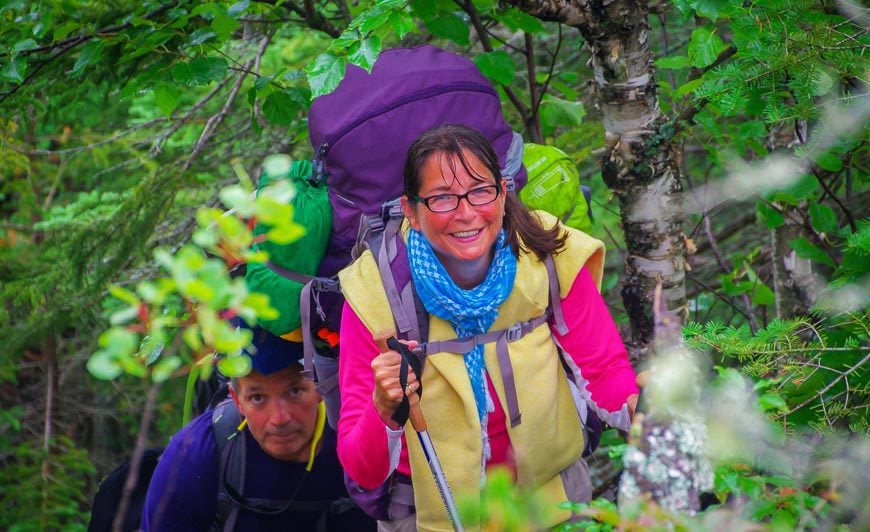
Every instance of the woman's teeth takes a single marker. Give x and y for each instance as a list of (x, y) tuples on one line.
[(466, 234)]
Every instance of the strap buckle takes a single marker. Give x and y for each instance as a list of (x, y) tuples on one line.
[(514, 332)]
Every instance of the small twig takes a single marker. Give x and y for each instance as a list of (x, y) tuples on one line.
[(753, 322), (157, 145), (468, 7), (87, 147), (136, 460), (830, 385), (217, 119)]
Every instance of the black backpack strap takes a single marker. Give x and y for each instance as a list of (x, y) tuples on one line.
[(232, 462)]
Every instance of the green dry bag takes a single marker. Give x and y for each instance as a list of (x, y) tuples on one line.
[(311, 210)]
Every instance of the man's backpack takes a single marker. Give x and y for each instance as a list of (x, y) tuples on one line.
[(230, 442)]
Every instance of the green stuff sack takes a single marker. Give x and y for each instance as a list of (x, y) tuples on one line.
[(554, 185), (311, 210)]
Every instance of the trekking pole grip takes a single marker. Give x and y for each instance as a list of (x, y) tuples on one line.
[(387, 342)]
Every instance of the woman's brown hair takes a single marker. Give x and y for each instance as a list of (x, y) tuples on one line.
[(523, 228)]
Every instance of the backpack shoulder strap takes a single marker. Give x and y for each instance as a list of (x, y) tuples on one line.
[(232, 462)]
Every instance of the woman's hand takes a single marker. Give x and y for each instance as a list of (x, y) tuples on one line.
[(388, 392)]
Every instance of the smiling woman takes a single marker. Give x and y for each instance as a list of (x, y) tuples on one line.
[(477, 258)]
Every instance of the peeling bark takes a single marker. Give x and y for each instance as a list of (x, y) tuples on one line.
[(640, 159), (794, 283)]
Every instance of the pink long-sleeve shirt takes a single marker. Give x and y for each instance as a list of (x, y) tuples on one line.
[(592, 342)]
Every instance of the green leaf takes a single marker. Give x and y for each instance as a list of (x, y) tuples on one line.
[(364, 53), (238, 8), (450, 27), (402, 23), (20, 46), (235, 366), (119, 341), (124, 315), (688, 88), (325, 73), (762, 294), (199, 71), (89, 55), (772, 401), (557, 112), (771, 217), (707, 8), (823, 218), (200, 36), (497, 66), (60, 33), (372, 19), (673, 63), (124, 295), (517, 20), (280, 108), (102, 365), (425, 9), (166, 97), (165, 368), (224, 26), (829, 161), (704, 47), (13, 71), (807, 250)]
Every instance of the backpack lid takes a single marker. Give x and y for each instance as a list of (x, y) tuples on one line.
[(361, 132)]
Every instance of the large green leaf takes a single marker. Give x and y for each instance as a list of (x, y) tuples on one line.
[(364, 53), (823, 218), (450, 27), (771, 217), (280, 108), (199, 71), (557, 112), (807, 250), (497, 66), (673, 63), (325, 73), (166, 96), (89, 55), (402, 23), (518, 20), (705, 46), (102, 365), (13, 70)]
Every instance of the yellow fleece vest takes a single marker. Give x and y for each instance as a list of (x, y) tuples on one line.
[(549, 437)]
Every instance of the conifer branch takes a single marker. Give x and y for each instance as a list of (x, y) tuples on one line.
[(830, 385)]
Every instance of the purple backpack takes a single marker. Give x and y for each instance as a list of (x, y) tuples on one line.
[(361, 133)]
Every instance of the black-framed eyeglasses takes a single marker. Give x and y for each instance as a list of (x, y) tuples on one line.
[(447, 202)]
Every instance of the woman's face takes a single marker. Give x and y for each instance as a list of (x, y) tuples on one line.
[(467, 233)]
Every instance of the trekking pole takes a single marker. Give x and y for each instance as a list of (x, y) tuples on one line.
[(419, 424)]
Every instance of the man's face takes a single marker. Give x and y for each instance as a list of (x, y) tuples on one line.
[(281, 409)]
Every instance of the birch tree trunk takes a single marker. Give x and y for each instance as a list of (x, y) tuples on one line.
[(640, 159)]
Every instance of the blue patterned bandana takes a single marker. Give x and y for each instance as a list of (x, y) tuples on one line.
[(469, 311)]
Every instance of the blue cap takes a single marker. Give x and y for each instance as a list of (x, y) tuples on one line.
[(270, 353)]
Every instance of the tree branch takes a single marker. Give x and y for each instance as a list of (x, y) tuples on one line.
[(217, 119), (483, 35)]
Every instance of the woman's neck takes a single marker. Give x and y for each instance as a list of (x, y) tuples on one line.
[(467, 274)]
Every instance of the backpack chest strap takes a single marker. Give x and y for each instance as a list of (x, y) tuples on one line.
[(501, 338)]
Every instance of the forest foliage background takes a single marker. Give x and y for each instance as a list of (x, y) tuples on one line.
[(127, 129)]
